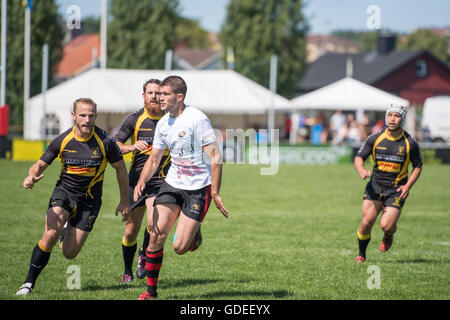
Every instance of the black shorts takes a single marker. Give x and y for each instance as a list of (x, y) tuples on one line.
[(194, 203), (82, 213), (389, 195), (151, 190)]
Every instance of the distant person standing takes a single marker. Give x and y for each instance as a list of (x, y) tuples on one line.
[(337, 120), (392, 151)]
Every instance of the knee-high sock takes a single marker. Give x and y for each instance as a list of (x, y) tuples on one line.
[(363, 242), (153, 264), (39, 259), (128, 251), (144, 243)]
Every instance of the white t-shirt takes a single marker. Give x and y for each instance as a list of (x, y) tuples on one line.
[(185, 136)]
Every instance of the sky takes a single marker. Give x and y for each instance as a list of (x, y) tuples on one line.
[(324, 16)]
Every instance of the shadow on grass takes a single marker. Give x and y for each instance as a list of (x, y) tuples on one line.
[(413, 261), (238, 295)]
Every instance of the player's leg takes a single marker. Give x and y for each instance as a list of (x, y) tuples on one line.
[(73, 241), (140, 268), (185, 232), (163, 217), (129, 243), (388, 223), (370, 211), (55, 219)]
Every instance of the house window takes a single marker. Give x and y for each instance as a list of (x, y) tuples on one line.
[(421, 68), (52, 126)]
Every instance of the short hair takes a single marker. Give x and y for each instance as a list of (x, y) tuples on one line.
[(158, 82), (88, 101), (177, 84)]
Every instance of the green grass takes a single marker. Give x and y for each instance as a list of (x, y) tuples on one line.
[(289, 236)]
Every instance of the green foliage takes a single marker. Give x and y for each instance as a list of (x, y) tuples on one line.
[(424, 39), (255, 30), (46, 27), (192, 34), (140, 33), (290, 236)]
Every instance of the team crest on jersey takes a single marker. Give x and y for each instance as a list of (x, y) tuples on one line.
[(194, 208), (95, 152), (401, 150)]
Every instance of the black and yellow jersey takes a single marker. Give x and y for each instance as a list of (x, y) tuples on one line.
[(83, 161), (140, 126), (391, 157)]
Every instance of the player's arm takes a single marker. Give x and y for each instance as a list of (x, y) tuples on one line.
[(35, 174), (122, 178), (359, 166), (212, 151), (149, 169), (126, 148), (416, 160)]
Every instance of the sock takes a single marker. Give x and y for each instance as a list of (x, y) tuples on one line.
[(39, 259), (144, 243), (363, 242), (153, 265), (128, 251)]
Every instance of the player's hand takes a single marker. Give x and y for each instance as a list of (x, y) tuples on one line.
[(404, 192), (124, 209), (140, 146), (219, 205), (138, 190), (29, 181), (364, 174)]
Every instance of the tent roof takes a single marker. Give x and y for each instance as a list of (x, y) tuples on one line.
[(347, 94), (120, 91)]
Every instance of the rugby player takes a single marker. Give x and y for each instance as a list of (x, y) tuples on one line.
[(85, 151), (140, 127), (190, 183), (392, 150)]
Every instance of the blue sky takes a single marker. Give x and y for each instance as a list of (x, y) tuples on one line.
[(323, 15)]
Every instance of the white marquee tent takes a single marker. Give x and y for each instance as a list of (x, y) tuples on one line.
[(347, 94), (120, 91)]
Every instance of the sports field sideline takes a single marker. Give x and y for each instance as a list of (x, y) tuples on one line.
[(290, 236)]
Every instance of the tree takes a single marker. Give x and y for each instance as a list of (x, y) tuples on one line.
[(424, 39), (46, 27), (140, 33), (255, 30), (192, 34)]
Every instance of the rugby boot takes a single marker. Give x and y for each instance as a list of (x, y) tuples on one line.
[(197, 241), (25, 289), (146, 296), (360, 259), (140, 269), (127, 279), (386, 243)]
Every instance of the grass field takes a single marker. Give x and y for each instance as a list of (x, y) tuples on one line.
[(291, 236)]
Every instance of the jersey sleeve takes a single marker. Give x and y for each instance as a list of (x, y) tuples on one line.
[(367, 147), (415, 156), (158, 141), (204, 132), (126, 129), (112, 150), (52, 151)]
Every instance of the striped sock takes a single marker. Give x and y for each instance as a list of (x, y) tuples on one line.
[(363, 242), (153, 265)]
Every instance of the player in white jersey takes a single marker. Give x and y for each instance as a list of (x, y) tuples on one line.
[(192, 181)]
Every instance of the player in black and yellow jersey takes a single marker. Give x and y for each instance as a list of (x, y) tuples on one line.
[(392, 150), (85, 151), (140, 127)]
